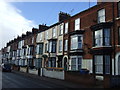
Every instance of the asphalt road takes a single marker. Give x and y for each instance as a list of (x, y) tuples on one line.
[(18, 80)]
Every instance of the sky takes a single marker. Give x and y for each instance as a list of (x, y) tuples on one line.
[(18, 17)]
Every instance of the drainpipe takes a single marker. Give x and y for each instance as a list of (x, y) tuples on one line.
[(114, 53)]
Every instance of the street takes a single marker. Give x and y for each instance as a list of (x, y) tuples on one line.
[(22, 80)]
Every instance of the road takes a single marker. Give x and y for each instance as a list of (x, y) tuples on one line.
[(18, 80)]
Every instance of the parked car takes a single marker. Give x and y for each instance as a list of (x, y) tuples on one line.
[(6, 68)]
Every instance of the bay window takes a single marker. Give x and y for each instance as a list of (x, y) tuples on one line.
[(102, 37), (75, 63), (76, 42), (52, 62), (40, 49), (101, 15), (52, 46), (102, 64), (77, 24)]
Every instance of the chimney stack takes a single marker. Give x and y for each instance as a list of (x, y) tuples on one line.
[(63, 16)]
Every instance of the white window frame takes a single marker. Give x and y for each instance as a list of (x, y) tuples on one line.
[(66, 28), (40, 36), (61, 29), (98, 64), (99, 39), (66, 45), (54, 32), (73, 43), (77, 24), (60, 45), (46, 35), (77, 65), (101, 16)]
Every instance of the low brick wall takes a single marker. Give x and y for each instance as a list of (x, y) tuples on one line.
[(53, 73), (76, 77), (111, 81), (16, 68)]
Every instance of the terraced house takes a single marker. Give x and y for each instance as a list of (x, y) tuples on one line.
[(89, 40)]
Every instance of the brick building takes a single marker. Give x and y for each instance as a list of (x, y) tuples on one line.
[(88, 40)]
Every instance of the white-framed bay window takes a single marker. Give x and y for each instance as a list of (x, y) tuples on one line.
[(75, 63), (77, 24), (102, 63), (101, 15), (102, 37), (76, 42)]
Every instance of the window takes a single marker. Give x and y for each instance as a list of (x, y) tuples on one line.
[(46, 35), (77, 24), (32, 40), (118, 9), (52, 62), (102, 37), (30, 51), (101, 15), (40, 36), (119, 35), (52, 46), (54, 32), (66, 27), (99, 59), (66, 45), (23, 51), (38, 63), (99, 64), (107, 64), (76, 63), (98, 38), (60, 45), (76, 42), (61, 29), (40, 49)]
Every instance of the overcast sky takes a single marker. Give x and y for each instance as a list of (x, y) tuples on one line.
[(18, 17)]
